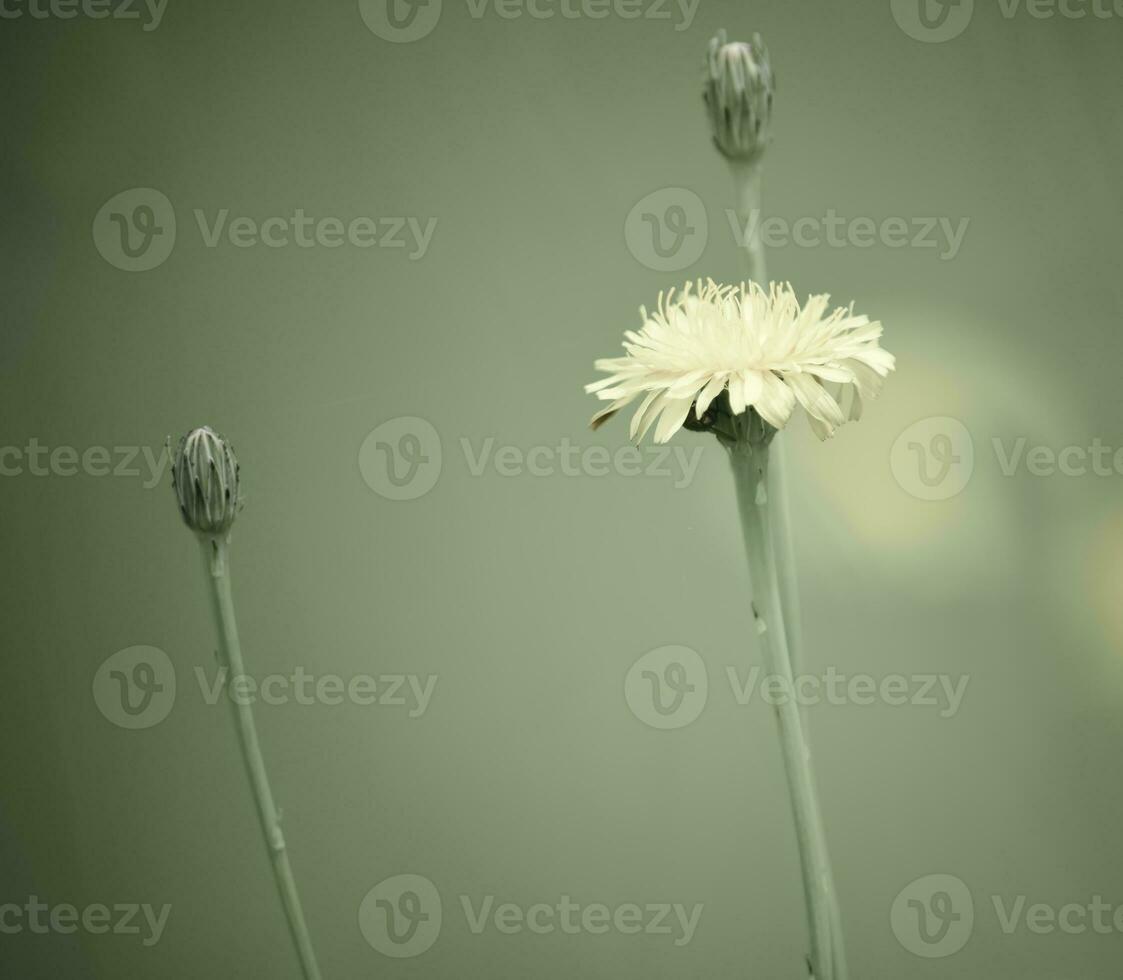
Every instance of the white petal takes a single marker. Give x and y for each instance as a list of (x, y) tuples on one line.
[(815, 399), (650, 414), (641, 412), (709, 393), (866, 380), (606, 413), (831, 372), (752, 386), (736, 394), (674, 414), (687, 386), (821, 429), (776, 401), (764, 346)]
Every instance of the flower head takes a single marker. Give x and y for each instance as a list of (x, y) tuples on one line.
[(711, 352), (205, 477), (738, 87)]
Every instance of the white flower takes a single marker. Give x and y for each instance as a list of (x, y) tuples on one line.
[(766, 350)]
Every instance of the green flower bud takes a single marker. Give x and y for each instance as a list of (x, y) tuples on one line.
[(205, 477), (738, 87)]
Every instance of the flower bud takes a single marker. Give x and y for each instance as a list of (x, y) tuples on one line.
[(205, 477), (738, 87)]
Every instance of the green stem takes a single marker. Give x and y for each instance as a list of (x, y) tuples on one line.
[(747, 181), (747, 178), (750, 471), (783, 544), (217, 557)]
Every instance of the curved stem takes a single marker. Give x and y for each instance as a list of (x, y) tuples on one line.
[(217, 558), (750, 470)]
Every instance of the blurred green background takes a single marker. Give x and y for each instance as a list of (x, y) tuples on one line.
[(529, 587)]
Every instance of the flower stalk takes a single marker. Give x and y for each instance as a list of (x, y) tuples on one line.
[(206, 479), (750, 462), (216, 556), (738, 89), (747, 181)]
